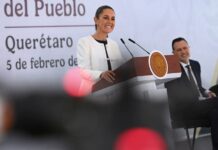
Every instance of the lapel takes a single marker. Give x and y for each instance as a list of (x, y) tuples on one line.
[(187, 84), (196, 71)]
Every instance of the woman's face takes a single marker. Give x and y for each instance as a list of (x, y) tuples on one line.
[(106, 21)]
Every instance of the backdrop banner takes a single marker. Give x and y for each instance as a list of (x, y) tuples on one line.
[(38, 37)]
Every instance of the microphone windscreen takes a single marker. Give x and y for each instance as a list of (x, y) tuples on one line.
[(122, 41), (131, 41)]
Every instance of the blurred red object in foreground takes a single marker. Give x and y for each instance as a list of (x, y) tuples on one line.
[(140, 139), (77, 82)]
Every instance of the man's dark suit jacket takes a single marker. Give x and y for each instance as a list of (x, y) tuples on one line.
[(182, 97)]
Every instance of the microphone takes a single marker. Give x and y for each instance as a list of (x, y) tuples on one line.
[(139, 46), (126, 47)]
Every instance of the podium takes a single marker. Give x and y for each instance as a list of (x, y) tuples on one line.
[(138, 75)]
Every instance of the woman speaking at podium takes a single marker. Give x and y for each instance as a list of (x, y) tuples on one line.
[(97, 53)]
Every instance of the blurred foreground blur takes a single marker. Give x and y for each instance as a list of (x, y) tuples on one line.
[(57, 121)]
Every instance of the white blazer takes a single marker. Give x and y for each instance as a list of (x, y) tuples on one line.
[(91, 56)]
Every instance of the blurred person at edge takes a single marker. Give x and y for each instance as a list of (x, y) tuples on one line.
[(97, 53), (6, 116)]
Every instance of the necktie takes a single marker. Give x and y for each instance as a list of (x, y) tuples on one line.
[(192, 81)]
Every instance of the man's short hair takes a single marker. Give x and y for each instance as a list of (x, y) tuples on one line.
[(178, 40)]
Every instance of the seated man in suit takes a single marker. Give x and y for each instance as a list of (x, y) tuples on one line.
[(188, 100)]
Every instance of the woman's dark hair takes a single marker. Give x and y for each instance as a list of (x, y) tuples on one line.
[(100, 10), (178, 40)]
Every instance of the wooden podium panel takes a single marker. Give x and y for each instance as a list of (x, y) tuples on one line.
[(139, 67)]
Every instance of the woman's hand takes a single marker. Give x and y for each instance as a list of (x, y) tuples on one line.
[(108, 76)]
